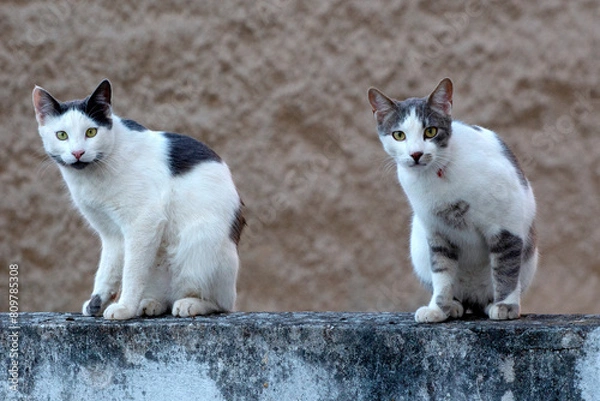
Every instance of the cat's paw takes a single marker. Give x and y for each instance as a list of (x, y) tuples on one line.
[(425, 314), (187, 307), (93, 306), (119, 312), (151, 307), (452, 309), (501, 311)]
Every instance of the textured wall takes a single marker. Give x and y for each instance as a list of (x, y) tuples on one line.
[(278, 89)]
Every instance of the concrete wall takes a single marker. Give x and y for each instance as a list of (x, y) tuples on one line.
[(301, 356)]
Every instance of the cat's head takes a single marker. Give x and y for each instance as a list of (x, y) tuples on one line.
[(77, 133), (416, 131)]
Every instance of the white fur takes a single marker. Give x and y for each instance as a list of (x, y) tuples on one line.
[(165, 239), (473, 168)]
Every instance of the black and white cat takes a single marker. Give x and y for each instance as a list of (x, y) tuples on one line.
[(473, 239), (165, 207)]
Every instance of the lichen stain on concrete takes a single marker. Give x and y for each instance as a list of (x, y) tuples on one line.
[(507, 368), (588, 367), (97, 376), (303, 382), (572, 340), (508, 396)]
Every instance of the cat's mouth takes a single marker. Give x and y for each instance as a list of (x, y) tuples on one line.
[(78, 165)]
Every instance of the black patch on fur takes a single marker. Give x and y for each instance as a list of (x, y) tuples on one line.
[(443, 253), (99, 113), (95, 111), (237, 225), (395, 115), (476, 128), (454, 214), (96, 106), (185, 153), (93, 307), (509, 248), (508, 245), (450, 251), (432, 118), (530, 243), (513, 159), (133, 125), (436, 268)]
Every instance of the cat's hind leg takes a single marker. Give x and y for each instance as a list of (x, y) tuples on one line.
[(192, 306), (155, 299), (506, 253), (152, 307), (205, 282)]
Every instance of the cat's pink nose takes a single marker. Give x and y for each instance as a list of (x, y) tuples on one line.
[(78, 153), (416, 156)]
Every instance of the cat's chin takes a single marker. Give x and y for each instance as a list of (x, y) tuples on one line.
[(417, 166), (79, 165)]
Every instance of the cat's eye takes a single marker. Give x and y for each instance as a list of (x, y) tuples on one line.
[(62, 135), (431, 132), (91, 132), (399, 135)]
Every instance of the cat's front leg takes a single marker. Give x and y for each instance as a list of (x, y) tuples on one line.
[(108, 276), (506, 250), (141, 246), (444, 267)]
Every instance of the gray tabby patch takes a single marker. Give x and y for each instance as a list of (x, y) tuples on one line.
[(454, 214)]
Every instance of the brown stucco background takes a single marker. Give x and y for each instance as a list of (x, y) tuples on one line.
[(278, 89)]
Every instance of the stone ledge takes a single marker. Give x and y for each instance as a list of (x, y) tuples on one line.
[(302, 356)]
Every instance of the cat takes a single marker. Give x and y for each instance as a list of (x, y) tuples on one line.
[(473, 238), (164, 205)]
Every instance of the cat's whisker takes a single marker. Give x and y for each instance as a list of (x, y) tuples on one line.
[(44, 165), (105, 163), (387, 165)]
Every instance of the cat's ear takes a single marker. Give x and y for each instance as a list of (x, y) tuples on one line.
[(441, 98), (99, 103), (44, 104), (380, 103)]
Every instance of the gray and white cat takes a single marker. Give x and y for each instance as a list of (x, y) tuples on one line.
[(165, 207), (473, 240)]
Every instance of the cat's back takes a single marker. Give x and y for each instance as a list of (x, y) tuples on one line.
[(183, 153), (179, 153), (198, 172), (192, 180), (485, 156), (165, 165), (479, 140)]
